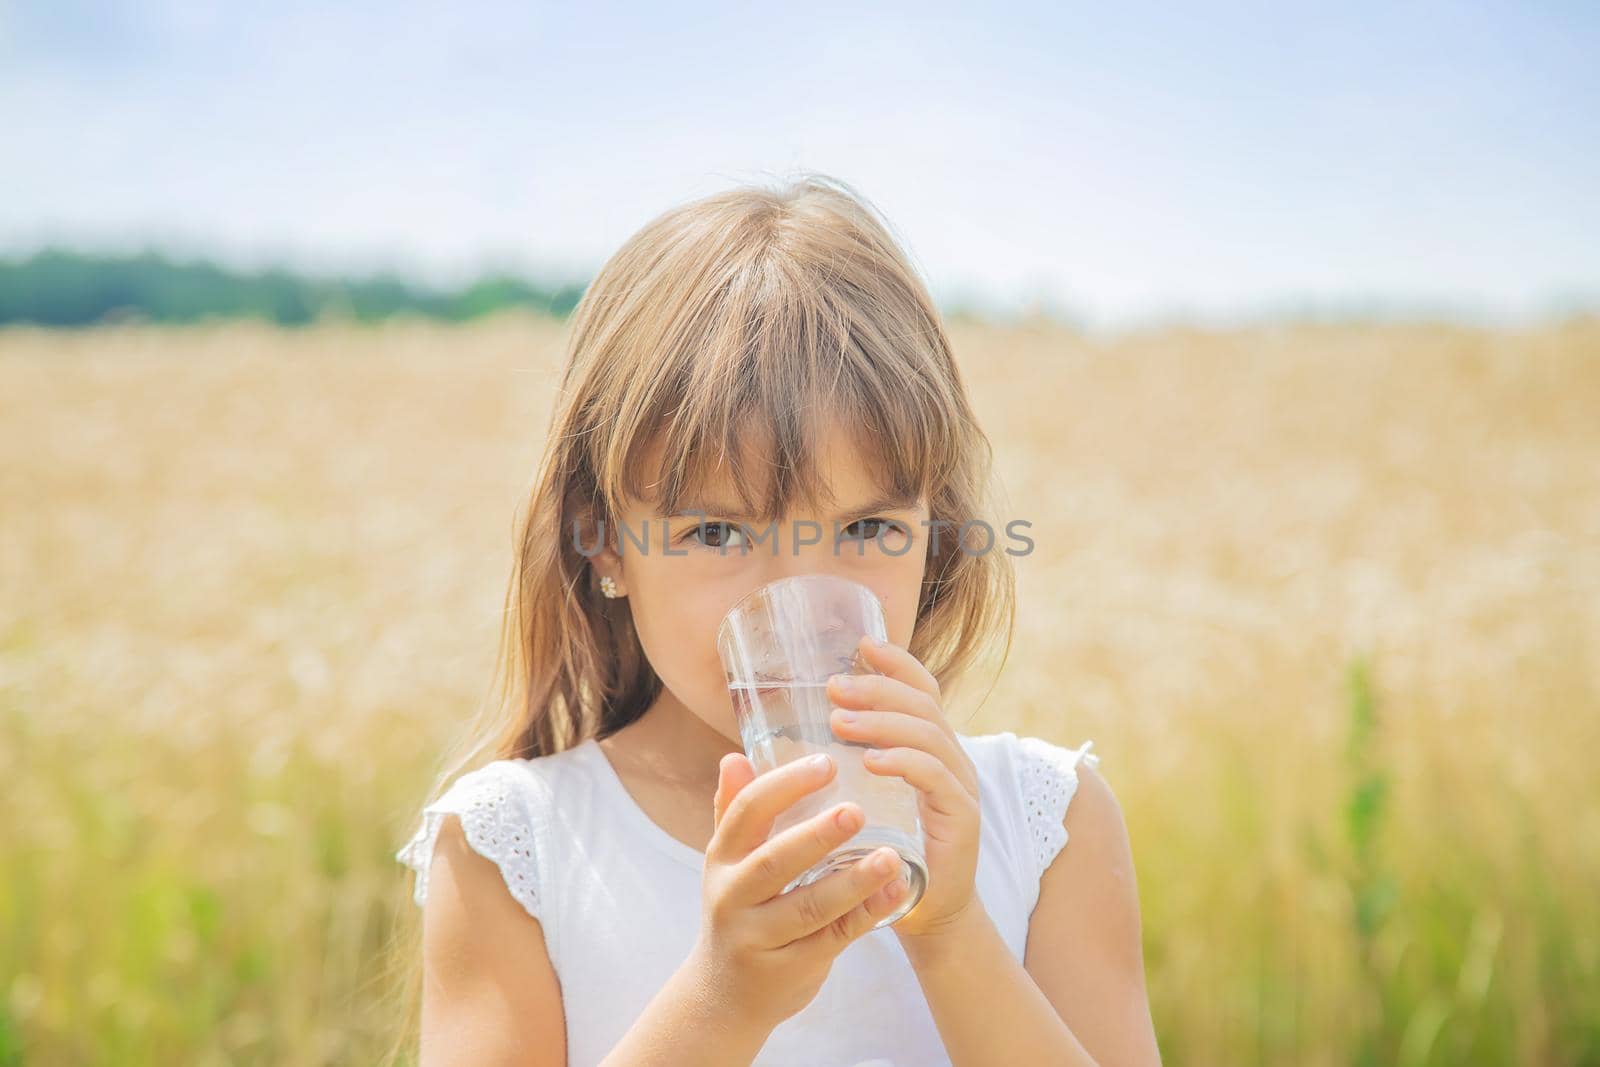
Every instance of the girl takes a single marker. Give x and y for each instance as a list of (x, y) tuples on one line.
[(604, 890)]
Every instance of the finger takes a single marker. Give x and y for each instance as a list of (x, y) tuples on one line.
[(901, 665), (733, 774), (812, 907), (945, 792), (860, 920), (763, 874), (886, 729), (751, 812), (882, 691)]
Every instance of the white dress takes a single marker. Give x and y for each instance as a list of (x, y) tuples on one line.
[(619, 897)]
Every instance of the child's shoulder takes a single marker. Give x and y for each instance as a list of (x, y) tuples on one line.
[(528, 779), (522, 771), (1035, 778), (505, 808), (1029, 755)]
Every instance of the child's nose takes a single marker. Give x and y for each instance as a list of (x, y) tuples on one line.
[(808, 547)]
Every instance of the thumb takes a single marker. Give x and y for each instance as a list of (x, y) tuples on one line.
[(733, 774)]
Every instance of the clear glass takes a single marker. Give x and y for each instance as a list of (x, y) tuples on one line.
[(779, 645)]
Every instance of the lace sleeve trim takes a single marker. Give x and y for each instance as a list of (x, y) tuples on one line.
[(1049, 775), (496, 812)]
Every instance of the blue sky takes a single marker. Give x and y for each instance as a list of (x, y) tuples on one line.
[(1117, 161)]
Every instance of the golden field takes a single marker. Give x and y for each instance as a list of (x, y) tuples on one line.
[(1327, 598)]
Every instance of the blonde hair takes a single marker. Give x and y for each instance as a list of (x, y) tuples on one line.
[(756, 309)]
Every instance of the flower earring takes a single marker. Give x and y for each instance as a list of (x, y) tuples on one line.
[(608, 587)]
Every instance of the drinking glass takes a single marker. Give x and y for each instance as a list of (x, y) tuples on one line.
[(779, 645)]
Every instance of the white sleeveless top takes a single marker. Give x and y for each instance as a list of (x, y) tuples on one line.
[(619, 897)]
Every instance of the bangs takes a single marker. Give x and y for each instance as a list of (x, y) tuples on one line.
[(747, 397), (739, 345)]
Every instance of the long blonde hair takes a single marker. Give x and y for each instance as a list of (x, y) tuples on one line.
[(751, 309)]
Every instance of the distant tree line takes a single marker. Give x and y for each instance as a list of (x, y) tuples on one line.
[(63, 288)]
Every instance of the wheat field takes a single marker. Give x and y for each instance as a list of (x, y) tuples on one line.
[(1326, 597)]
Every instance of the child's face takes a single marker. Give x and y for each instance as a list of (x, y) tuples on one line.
[(678, 600)]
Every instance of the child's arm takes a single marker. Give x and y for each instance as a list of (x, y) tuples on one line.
[(686, 1025), (1081, 985), (1085, 948), (762, 955), (490, 995)]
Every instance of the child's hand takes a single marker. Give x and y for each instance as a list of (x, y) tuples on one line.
[(765, 956), (901, 713)]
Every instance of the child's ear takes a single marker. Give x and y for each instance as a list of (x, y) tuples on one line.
[(607, 564), (596, 542)]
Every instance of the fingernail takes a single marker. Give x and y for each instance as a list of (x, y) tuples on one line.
[(847, 716), (845, 818), (844, 682), (883, 863), (819, 762), (895, 889)]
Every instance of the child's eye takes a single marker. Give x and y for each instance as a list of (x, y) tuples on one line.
[(719, 535), (872, 530)]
